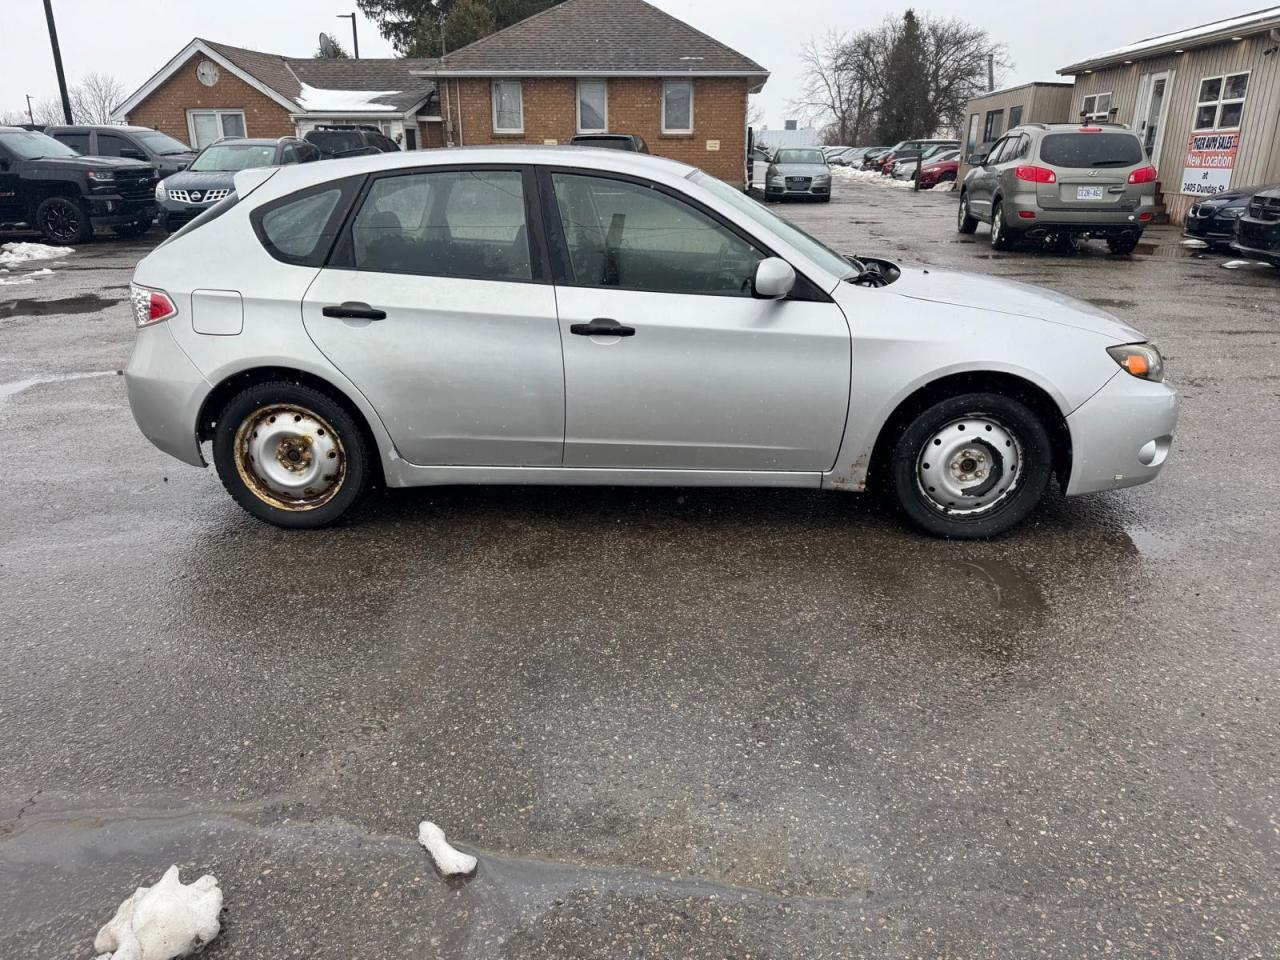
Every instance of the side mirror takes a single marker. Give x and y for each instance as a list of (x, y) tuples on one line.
[(773, 280), (130, 154), (977, 160)]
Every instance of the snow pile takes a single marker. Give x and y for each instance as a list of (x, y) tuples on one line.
[(449, 861), (169, 920), (26, 277), (343, 101), (945, 186), (1241, 264), (870, 176), (1195, 244), (12, 254)]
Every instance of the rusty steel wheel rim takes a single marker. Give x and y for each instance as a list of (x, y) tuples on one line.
[(290, 457)]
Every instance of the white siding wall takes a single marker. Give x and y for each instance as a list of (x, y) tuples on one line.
[(1259, 157)]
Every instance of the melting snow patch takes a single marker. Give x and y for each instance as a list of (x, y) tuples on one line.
[(1243, 264), (15, 253), (1195, 244), (871, 176), (945, 187), (341, 101), (449, 861), (169, 920)]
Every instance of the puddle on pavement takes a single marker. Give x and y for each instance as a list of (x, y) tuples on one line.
[(84, 303), (14, 387), (1113, 304), (1154, 546)]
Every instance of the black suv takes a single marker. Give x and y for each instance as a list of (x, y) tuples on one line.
[(48, 186), (165, 154), (349, 140)]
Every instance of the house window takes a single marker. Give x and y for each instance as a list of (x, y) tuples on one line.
[(994, 126), (677, 106), (508, 107), (207, 126), (1220, 102), (1015, 116), (593, 106), (1096, 108), (972, 143)]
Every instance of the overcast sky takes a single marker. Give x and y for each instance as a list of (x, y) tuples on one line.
[(131, 39)]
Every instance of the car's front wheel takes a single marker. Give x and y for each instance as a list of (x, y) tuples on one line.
[(290, 455), (966, 222), (63, 220), (971, 466)]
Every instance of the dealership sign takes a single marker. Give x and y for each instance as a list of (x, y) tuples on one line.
[(1210, 159)]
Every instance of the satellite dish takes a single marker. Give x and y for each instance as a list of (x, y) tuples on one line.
[(328, 50)]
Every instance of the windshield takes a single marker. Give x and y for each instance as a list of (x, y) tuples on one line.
[(1091, 150), (800, 156), (161, 143), (815, 250), (29, 145), (234, 156)]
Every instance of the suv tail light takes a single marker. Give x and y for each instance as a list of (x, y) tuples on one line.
[(1035, 174), (1143, 175), (150, 306)]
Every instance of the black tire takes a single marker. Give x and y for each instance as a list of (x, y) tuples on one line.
[(1123, 246), (1002, 238), (337, 428), (131, 230), (63, 221), (966, 222), (1004, 507)]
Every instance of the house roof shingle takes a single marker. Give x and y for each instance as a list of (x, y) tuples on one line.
[(286, 75), (600, 37)]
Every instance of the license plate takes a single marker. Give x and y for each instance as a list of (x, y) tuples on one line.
[(1088, 193)]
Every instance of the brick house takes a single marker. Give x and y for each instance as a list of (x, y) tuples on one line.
[(584, 66), (588, 66)]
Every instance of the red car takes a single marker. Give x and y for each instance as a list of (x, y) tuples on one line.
[(940, 171)]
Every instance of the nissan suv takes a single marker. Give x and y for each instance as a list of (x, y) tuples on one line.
[(210, 177), (1061, 181)]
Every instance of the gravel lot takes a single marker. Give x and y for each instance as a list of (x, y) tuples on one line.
[(670, 723)]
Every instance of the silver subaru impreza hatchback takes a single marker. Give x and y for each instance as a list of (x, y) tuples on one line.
[(540, 315)]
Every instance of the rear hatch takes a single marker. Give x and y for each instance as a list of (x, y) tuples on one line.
[(1092, 170)]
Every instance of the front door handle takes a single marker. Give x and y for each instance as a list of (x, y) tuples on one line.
[(602, 327), (355, 311)]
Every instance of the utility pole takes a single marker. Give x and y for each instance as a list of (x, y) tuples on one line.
[(57, 63), (355, 40), (30, 116), (991, 72)]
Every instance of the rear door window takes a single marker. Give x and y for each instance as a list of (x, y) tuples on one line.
[(454, 223), (1091, 150), (76, 141)]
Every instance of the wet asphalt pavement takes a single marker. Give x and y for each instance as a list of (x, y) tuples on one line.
[(670, 723)]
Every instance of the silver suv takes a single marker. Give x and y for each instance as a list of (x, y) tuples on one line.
[(1064, 181)]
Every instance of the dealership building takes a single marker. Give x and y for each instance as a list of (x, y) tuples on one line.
[(1205, 101)]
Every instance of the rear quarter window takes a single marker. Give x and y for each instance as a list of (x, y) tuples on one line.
[(1091, 150), (301, 227)]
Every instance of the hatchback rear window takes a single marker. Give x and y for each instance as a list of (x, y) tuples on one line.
[(1091, 150), (301, 227)]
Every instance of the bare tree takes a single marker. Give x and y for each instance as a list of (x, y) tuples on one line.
[(13, 118), (95, 97), (755, 112), (830, 94), (955, 59), (48, 111)]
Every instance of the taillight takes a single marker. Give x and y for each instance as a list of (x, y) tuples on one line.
[(150, 306), (1035, 174), (1143, 175)]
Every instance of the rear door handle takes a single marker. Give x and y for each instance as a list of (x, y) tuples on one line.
[(355, 311), (602, 327)]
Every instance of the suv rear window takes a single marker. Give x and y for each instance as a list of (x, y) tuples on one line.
[(1091, 150)]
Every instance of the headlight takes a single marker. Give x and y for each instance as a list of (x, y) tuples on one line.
[(777, 181), (160, 192), (1141, 360), (1231, 212), (822, 178), (100, 176)]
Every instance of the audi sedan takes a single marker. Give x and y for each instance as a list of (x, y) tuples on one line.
[(559, 316)]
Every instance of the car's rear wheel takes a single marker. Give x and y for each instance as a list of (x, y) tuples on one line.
[(63, 221), (966, 222), (971, 466), (290, 455), (1002, 238), (1123, 246)]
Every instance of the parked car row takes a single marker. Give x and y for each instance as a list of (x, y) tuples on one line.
[(69, 181), (1246, 220)]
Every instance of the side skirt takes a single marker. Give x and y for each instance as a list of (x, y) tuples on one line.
[(402, 474)]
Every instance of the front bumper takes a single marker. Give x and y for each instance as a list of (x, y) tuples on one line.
[(1211, 228), (790, 190), (1121, 436), (112, 210), (1258, 239), (165, 393)]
